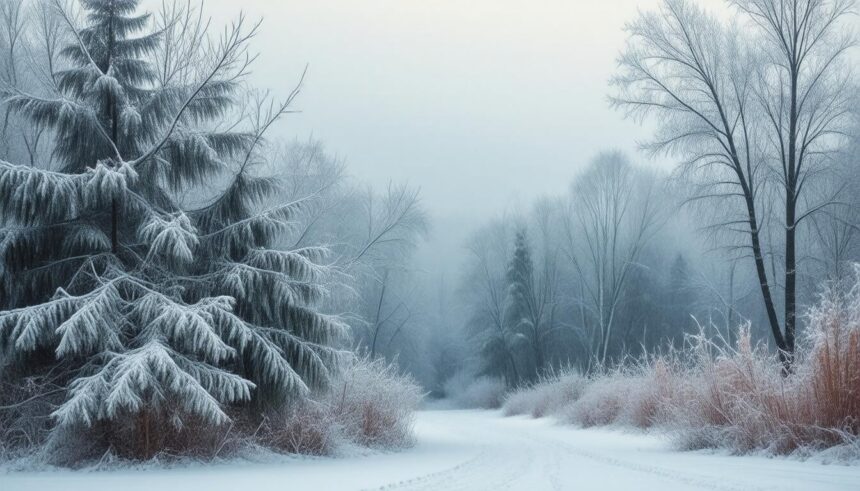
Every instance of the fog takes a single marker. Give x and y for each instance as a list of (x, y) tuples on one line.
[(483, 104), (294, 215)]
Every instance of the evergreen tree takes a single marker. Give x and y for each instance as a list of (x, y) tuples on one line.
[(151, 307), (520, 316), (486, 286), (497, 350)]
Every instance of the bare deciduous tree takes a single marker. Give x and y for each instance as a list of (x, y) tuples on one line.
[(391, 222), (802, 87), (613, 214), (390, 315), (754, 117)]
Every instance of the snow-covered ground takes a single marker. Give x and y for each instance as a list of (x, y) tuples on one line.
[(465, 450)]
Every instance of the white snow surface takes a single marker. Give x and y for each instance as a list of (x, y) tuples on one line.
[(478, 450)]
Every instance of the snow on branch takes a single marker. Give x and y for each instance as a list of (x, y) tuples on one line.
[(151, 377), (107, 182), (29, 195), (191, 328), (94, 326), (300, 263), (172, 240), (26, 328)]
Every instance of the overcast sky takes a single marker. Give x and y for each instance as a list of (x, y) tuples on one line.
[(484, 104)]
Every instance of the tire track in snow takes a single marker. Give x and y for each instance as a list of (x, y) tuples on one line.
[(513, 457), (496, 453), (694, 480), (492, 468)]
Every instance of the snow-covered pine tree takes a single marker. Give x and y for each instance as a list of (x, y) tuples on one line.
[(156, 310)]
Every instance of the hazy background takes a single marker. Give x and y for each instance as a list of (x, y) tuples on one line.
[(482, 103)]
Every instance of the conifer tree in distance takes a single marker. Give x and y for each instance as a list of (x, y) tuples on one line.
[(519, 316)]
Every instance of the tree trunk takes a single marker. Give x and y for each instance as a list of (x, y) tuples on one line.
[(514, 369), (761, 271), (114, 133), (113, 227), (539, 362), (787, 356)]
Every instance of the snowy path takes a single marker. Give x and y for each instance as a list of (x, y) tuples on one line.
[(466, 450)]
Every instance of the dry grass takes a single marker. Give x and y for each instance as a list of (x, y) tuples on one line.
[(368, 404), (308, 430), (630, 396), (738, 397), (551, 394), (373, 404)]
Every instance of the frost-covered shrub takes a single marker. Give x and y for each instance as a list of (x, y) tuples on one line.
[(466, 391), (654, 383), (722, 397), (25, 419), (518, 401), (736, 397), (373, 404), (309, 429), (742, 399), (551, 395), (142, 435), (368, 404), (566, 389), (833, 365), (602, 401), (624, 396)]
